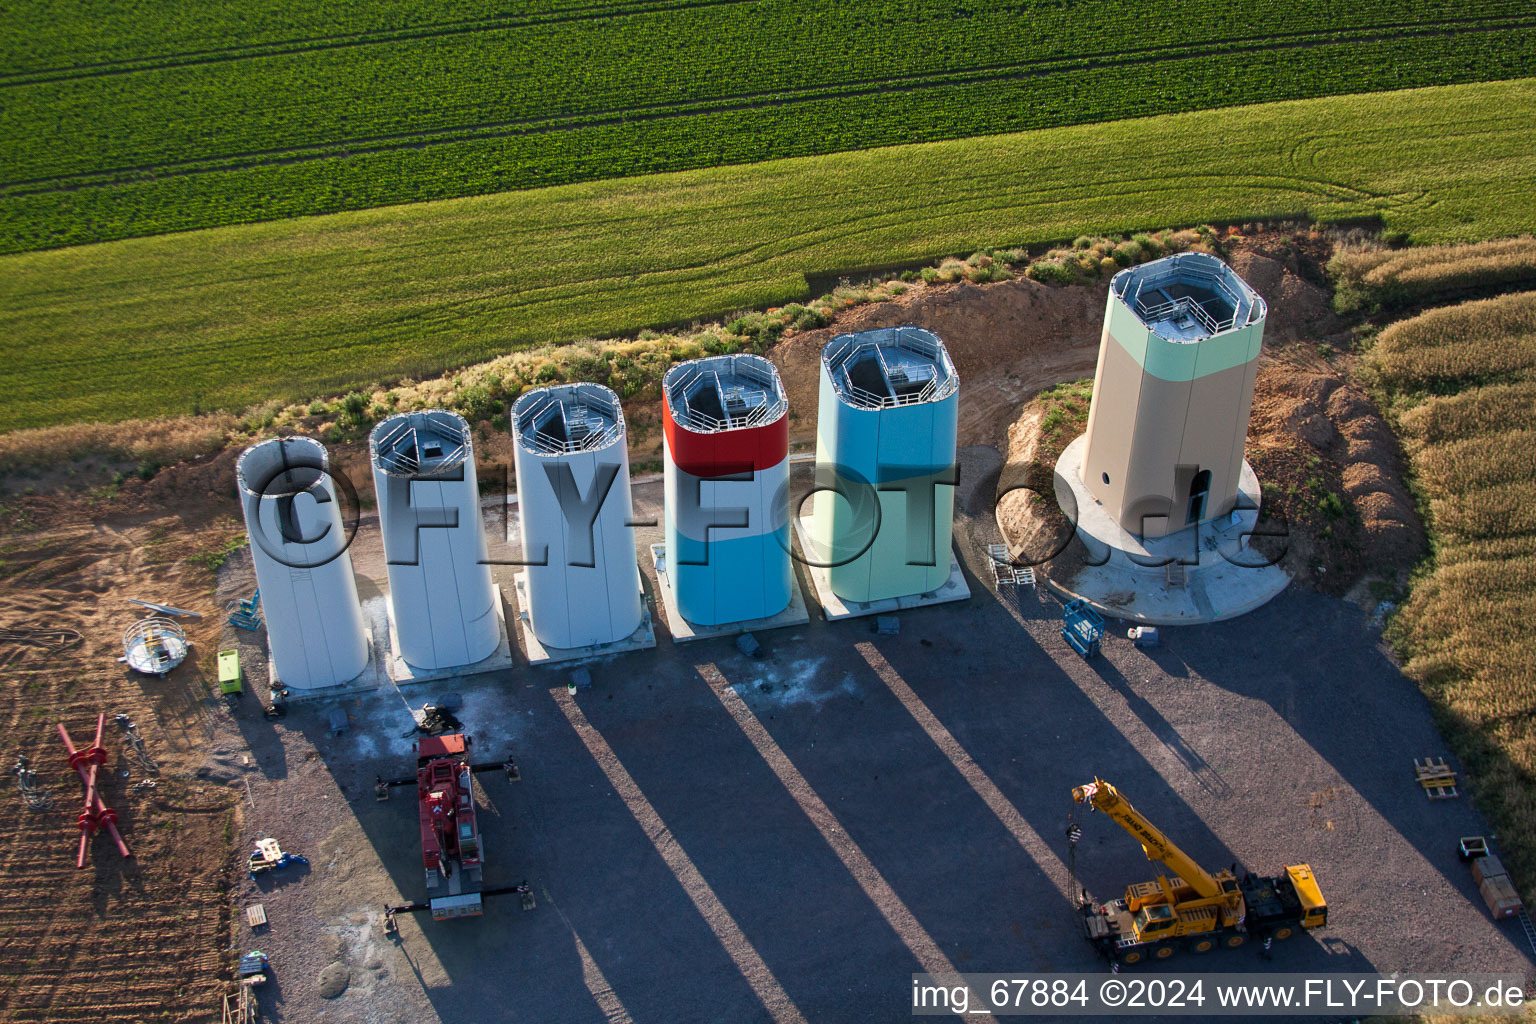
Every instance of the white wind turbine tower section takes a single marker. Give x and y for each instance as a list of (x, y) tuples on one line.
[(441, 598), (570, 443), (314, 621)]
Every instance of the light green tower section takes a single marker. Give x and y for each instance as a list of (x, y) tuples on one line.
[(886, 430)]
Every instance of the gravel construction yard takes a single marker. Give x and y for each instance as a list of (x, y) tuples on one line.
[(713, 838)]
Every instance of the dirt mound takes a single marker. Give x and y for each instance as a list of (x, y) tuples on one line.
[(1369, 439), (1031, 522), (1305, 420), (1295, 404), (1287, 271), (1008, 340), (1331, 464), (1310, 406)]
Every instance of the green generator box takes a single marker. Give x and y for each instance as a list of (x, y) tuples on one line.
[(230, 679)]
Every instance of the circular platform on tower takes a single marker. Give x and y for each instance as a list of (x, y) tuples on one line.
[(1201, 574)]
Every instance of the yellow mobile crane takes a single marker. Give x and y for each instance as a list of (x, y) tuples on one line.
[(1194, 909)]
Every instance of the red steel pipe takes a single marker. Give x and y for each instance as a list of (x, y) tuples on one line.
[(96, 813), (107, 818)]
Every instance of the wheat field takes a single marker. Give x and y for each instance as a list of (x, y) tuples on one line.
[(1376, 277), (1463, 380)]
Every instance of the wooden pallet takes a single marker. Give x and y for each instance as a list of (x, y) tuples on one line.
[(1437, 778), (256, 914)]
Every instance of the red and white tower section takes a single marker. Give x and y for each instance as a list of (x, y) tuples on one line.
[(726, 421)]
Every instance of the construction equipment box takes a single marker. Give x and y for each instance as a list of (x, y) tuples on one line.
[(1486, 867), (1498, 891)]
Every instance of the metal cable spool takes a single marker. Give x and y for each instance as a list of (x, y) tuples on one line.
[(37, 798)]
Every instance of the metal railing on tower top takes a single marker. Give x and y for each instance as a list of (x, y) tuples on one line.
[(586, 423), (402, 444), (928, 378), (749, 394), (1190, 269)]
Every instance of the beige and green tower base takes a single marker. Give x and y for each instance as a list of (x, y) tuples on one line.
[(1177, 360)]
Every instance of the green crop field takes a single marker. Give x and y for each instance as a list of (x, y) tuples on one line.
[(227, 317), (128, 119)]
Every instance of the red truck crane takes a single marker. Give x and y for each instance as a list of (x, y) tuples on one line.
[(450, 836), (452, 854)]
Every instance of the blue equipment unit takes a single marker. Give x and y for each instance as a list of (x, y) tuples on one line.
[(1082, 627), (246, 614), (254, 967)]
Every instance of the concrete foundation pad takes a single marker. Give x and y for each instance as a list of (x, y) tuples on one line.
[(405, 674), (365, 681), (642, 638), (1224, 578), (1210, 596), (835, 608), (683, 631)]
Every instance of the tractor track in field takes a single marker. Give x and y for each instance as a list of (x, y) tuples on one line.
[(864, 88), (580, 13), (350, 40)]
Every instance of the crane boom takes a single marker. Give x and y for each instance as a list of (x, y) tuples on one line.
[(1101, 796)]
